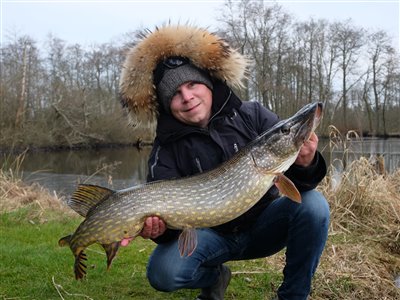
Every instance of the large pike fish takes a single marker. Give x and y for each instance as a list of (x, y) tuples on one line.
[(203, 200)]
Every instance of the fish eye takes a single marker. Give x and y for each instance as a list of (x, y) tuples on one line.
[(285, 129)]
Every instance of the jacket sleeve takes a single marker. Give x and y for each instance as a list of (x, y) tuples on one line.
[(162, 166), (260, 118), (307, 178)]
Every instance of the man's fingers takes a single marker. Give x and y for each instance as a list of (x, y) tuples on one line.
[(161, 226), (155, 227), (313, 137)]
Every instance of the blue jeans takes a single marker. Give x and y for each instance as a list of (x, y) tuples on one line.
[(301, 228)]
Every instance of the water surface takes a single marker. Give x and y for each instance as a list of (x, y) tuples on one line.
[(120, 168)]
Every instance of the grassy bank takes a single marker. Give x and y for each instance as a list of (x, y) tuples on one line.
[(361, 259)]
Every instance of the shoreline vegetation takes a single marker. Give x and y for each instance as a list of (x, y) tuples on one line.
[(361, 259), (138, 143), (56, 94)]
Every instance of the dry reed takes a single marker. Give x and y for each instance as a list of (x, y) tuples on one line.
[(362, 256), (15, 194)]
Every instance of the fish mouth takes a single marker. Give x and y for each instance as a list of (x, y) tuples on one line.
[(299, 127), (308, 119)]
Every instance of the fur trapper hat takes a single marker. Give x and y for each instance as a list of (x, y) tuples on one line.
[(204, 49)]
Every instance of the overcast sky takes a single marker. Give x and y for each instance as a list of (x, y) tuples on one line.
[(100, 21)]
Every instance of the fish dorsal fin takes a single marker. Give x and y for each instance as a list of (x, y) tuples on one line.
[(86, 196)]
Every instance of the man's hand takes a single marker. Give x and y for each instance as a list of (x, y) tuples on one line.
[(307, 151), (153, 227)]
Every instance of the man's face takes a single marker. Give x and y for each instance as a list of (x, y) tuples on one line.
[(191, 104)]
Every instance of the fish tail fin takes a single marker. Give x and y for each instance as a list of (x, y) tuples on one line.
[(65, 241), (111, 252), (79, 266), (187, 242)]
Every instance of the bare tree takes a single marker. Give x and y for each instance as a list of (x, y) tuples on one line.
[(380, 54), (66, 94), (263, 30), (349, 41)]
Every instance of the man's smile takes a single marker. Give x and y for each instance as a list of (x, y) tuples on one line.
[(192, 108)]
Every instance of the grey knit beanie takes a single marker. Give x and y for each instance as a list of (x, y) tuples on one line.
[(173, 78)]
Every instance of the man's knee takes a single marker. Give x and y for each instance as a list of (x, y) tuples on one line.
[(166, 275), (315, 207), (157, 279)]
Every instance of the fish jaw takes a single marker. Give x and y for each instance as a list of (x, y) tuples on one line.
[(312, 114), (279, 146)]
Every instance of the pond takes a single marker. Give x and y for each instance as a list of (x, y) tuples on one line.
[(61, 171), (343, 152)]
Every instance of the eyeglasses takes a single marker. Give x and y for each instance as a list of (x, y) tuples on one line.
[(174, 62)]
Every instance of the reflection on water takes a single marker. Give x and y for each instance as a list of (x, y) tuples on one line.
[(61, 171), (340, 155), (125, 167)]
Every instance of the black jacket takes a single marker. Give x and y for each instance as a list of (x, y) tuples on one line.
[(181, 150)]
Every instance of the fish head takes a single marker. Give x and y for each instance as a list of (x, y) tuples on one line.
[(278, 147), (298, 128)]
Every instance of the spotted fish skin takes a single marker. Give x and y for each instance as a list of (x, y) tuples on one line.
[(204, 200)]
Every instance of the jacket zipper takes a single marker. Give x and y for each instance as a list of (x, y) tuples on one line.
[(198, 164), (222, 107), (155, 162)]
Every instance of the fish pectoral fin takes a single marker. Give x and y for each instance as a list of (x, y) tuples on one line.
[(111, 252), (187, 242), (287, 188), (79, 266)]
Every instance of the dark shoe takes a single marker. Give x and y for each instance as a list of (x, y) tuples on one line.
[(217, 291)]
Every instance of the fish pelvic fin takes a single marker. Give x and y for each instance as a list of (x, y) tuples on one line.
[(287, 188), (187, 241), (87, 196), (65, 241), (111, 252), (79, 266)]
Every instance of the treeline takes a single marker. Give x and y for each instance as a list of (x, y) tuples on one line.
[(57, 94), (355, 72)]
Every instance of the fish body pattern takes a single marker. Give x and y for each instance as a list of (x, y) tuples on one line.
[(204, 200)]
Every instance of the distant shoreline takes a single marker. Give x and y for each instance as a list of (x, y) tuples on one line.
[(137, 144)]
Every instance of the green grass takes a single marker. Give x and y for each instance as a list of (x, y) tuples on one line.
[(33, 266)]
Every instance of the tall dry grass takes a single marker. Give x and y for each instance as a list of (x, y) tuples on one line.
[(362, 256), (15, 194), (363, 250)]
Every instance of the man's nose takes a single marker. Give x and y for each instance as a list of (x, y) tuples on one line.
[(186, 94)]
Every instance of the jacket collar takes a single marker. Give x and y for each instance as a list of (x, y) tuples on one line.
[(170, 129)]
